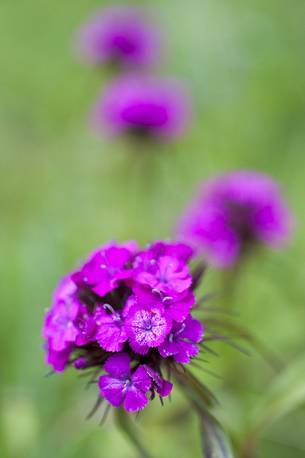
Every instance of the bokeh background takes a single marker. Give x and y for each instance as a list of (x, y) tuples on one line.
[(64, 191)]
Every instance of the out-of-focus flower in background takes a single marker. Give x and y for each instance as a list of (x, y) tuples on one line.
[(232, 213), (120, 36), (144, 107)]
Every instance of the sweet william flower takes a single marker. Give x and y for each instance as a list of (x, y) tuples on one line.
[(143, 107), (181, 341), (105, 268), (147, 326), (166, 275), (59, 326), (232, 213), (121, 386), (120, 36), (111, 330)]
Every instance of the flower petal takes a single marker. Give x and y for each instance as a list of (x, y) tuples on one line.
[(118, 365), (135, 400), (112, 389)]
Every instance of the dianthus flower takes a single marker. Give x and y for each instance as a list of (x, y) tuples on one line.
[(122, 36), (142, 107), (234, 212), (126, 313)]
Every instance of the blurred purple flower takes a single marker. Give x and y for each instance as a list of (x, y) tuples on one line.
[(123, 387), (122, 36), (234, 211), (143, 107), (59, 327), (58, 359)]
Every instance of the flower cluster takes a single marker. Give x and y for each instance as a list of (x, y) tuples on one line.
[(232, 213), (126, 312)]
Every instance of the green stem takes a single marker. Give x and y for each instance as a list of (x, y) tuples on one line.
[(124, 423)]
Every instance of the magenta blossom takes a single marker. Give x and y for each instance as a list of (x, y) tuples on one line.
[(166, 275), (181, 341), (123, 387), (59, 326), (105, 268), (143, 107), (147, 326), (163, 269), (234, 211), (111, 333), (122, 36)]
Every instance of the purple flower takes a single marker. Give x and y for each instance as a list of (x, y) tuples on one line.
[(166, 275), (127, 311), (105, 268), (142, 106), (59, 328), (177, 309), (146, 326), (163, 268), (111, 333), (120, 35), (121, 386), (180, 342), (234, 211)]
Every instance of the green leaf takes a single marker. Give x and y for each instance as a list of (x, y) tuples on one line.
[(195, 390), (124, 423), (215, 443)]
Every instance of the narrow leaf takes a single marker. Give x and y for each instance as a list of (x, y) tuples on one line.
[(215, 443)]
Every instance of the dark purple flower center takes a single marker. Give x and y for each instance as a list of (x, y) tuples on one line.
[(124, 44), (240, 219), (173, 336), (145, 115), (147, 325)]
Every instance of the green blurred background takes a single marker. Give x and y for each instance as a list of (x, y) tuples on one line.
[(64, 191)]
